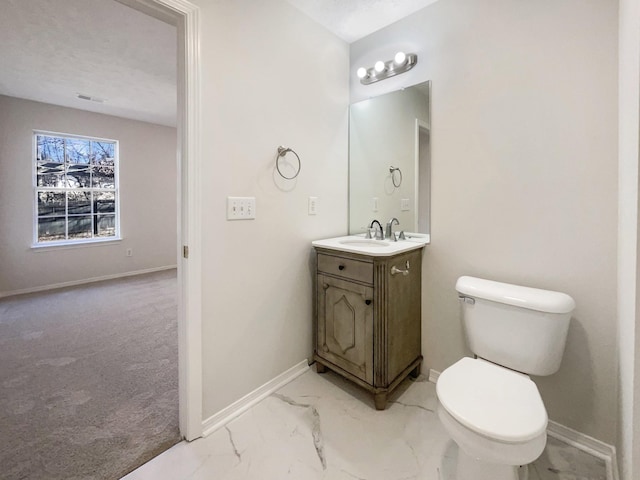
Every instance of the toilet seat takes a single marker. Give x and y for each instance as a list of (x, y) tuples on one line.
[(492, 400)]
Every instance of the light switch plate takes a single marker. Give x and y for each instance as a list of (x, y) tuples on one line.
[(241, 208), (313, 205)]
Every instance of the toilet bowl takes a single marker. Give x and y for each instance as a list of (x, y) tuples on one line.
[(489, 406), (494, 415)]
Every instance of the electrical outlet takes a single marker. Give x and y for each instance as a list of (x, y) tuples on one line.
[(241, 208), (129, 252), (404, 204), (374, 204), (313, 205)]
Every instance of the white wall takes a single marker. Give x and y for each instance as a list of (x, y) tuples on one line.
[(147, 202), (628, 298), (524, 173), (270, 77)]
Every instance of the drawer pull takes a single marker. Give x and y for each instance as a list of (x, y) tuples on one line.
[(351, 269), (368, 302), (395, 270)]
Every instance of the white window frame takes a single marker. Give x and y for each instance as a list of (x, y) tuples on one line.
[(36, 189)]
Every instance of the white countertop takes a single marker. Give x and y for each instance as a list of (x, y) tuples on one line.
[(375, 248)]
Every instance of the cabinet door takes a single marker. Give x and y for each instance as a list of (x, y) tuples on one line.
[(345, 326)]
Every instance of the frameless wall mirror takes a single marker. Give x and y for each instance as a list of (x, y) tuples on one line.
[(390, 160)]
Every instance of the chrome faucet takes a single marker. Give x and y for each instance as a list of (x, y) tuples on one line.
[(390, 234), (379, 233)]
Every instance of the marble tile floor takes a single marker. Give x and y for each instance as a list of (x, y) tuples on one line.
[(323, 427)]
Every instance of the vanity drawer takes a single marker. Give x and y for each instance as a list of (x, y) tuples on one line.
[(346, 268)]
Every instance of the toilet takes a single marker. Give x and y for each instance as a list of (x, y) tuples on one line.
[(488, 404)]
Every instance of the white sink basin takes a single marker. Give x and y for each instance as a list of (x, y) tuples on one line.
[(364, 242), (371, 247)]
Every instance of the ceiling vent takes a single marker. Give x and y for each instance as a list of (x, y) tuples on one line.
[(82, 96)]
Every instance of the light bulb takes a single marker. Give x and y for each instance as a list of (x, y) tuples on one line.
[(362, 72), (400, 58), (379, 66)]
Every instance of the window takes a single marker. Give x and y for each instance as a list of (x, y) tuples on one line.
[(76, 189)]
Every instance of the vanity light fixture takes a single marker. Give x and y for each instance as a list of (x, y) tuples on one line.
[(402, 62)]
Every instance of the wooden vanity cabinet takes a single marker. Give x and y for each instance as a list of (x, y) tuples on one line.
[(368, 319)]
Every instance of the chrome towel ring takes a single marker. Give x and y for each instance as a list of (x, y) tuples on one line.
[(397, 181), (282, 152)]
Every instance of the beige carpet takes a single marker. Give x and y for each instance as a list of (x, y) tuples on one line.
[(88, 378)]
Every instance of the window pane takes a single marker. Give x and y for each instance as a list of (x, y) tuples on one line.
[(78, 176), (50, 161), (104, 177), (50, 203), (51, 180), (78, 151), (79, 202), (104, 153), (78, 163), (105, 226), (104, 202), (51, 229), (80, 227), (50, 149)]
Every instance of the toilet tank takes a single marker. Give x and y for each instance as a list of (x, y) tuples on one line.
[(521, 328)]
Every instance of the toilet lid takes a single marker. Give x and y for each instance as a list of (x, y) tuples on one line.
[(492, 400)]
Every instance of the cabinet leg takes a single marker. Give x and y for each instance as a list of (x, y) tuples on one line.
[(415, 372), (320, 368), (380, 399)]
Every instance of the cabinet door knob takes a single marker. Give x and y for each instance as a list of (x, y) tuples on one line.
[(368, 302), (340, 267)]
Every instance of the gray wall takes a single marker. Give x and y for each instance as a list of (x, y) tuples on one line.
[(147, 204), (524, 173)]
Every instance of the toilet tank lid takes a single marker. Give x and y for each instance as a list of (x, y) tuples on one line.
[(523, 297)]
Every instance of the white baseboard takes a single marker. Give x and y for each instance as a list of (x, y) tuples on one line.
[(83, 281), (587, 444), (237, 408), (576, 439)]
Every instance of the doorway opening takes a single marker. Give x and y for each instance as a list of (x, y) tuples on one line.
[(185, 16)]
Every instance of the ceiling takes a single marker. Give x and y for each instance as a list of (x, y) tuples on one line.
[(108, 51), (352, 20), (96, 48)]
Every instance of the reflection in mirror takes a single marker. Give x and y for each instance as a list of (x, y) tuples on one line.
[(390, 160)]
